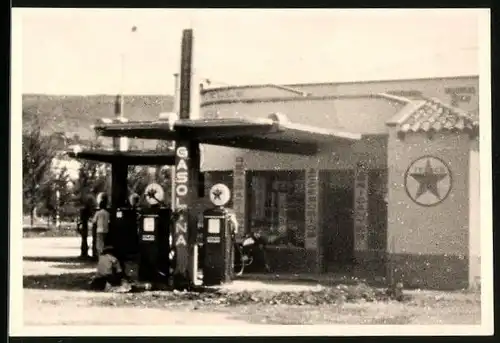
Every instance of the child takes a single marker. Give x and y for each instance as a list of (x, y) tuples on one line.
[(109, 271), (101, 221)]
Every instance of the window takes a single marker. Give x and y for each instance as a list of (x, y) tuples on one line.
[(277, 206)]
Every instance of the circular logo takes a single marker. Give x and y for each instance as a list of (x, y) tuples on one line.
[(154, 193), (428, 181), (220, 194)]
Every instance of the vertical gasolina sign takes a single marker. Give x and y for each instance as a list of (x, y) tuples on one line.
[(185, 166)]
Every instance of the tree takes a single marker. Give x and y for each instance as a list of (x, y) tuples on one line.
[(92, 179), (163, 145), (57, 195), (38, 153), (138, 179)]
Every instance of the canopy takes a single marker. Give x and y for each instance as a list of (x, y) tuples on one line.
[(269, 134), (136, 157)]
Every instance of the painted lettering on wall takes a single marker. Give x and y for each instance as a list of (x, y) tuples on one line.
[(259, 197), (460, 95), (409, 93), (239, 188), (223, 94), (361, 208), (311, 209), (282, 213), (463, 90)]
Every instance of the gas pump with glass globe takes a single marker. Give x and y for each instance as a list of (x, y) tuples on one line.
[(218, 245), (154, 232)]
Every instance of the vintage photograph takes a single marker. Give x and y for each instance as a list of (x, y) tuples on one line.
[(252, 171)]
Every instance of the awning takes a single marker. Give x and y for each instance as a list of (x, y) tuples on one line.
[(136, 157), (274, 134)]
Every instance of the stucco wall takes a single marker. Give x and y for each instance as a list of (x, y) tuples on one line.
[(431, 243), (371, 150), (352, 115), (358, 114), (428, 87), (474, 217), (355, 114)]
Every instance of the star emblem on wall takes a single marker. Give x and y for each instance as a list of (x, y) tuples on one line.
[(428, 181)]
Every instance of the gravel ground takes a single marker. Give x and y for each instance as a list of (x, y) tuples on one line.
[(47, 261)]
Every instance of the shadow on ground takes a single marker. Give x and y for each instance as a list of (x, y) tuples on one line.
[(67, 282), (58, 259), (74, 266)]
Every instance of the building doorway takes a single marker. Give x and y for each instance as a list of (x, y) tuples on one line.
[(337, 209)]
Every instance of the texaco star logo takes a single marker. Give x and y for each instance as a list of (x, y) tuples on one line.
[(428, 181), (217, 193), (220, 194)]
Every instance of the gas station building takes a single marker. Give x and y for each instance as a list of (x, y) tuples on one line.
[(391, 186)]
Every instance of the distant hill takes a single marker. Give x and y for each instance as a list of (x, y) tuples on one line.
[(74, 115)]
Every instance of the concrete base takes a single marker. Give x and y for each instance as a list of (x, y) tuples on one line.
[(292, 260), (441, 272)]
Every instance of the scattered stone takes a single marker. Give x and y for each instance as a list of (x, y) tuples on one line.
[(208, 297)]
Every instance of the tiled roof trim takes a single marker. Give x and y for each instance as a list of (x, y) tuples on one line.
[(434, 115)]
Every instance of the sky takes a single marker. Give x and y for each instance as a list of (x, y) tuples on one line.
[(94, 51)]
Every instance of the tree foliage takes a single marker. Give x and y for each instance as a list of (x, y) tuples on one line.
[(140, 176), (38, 153), (57, 195), (92, 179)]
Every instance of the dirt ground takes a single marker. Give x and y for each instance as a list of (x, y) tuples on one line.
[(50, 299)]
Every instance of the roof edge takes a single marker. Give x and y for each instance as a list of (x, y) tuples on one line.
[(396, 98), (294, 85), (303, 98), (405, 112)]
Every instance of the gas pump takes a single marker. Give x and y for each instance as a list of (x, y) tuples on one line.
[(154, 232), (217, 239), (124, 233)]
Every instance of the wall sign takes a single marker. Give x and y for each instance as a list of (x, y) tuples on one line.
[(259, 197), (361, 208), (410, 93), (428, 181), (462, 90), (223, 94), (312, 213), (239, 191), (460, 94), (282, 213)]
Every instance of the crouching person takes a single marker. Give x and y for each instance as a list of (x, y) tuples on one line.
[(109, 274)]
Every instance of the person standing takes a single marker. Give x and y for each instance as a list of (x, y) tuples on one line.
[(101, 223), (83, 228)]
